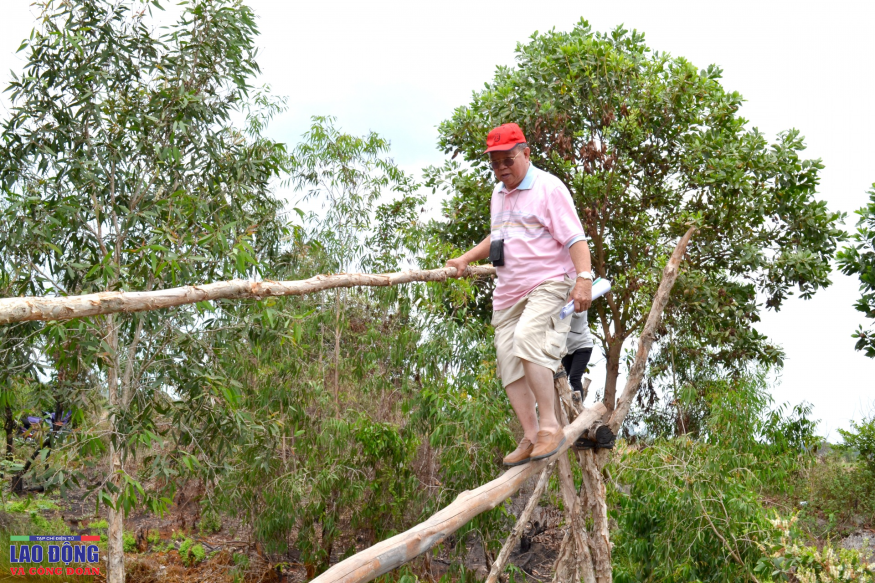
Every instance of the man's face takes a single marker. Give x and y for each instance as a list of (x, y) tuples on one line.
[(510, 167)]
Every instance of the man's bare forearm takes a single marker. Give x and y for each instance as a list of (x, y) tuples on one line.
[(580, 257), (479, 251)]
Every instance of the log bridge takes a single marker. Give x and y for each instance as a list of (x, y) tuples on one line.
[(585, 553)]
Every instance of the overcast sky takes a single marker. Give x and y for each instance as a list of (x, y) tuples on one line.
[(399, 68)]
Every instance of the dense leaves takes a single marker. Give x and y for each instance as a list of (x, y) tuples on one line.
[(859, 259), (694, 509)]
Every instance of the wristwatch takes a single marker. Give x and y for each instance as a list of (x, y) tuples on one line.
[(585, 275)]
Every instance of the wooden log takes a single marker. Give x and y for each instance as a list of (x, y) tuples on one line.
[(593, 496), (402, 548), (636, 373), (563, 468), (25, 309), (520, 526), (574, 562)]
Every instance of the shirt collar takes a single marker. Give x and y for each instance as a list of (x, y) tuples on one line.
[(527, 182)]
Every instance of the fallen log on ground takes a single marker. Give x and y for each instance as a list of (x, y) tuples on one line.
[(402, 548), (25, 309)]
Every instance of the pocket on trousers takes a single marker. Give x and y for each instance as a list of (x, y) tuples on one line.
[(554, 340)]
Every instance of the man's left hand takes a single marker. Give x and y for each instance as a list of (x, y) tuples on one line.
[(582, 295)]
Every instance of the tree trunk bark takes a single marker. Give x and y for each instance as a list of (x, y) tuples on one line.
[(612, 373), (337, 354), (9, 427), (639, 365), (593, 495), (115, 561)]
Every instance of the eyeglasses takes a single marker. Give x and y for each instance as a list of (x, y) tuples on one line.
[(505, 162)]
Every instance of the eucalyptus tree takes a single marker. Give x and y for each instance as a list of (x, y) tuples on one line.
[(346, 177), (123, 168), (858, 259), (648, 144)]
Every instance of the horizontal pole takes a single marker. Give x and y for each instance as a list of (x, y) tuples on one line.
[(24, 309), (402, 548)]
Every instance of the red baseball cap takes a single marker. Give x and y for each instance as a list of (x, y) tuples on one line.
[(504, 138)]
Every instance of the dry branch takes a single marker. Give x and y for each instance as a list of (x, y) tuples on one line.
[(402, 548), (68, 307), (636, 373)]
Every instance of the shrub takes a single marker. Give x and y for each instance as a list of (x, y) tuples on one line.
[(788, 560), (153, 537), (197, 554), (192, 553), (841, 490), (861, 439), (129, 542), (240, 560), (185, 548), (693, 514), (210, 522), (29, 505)]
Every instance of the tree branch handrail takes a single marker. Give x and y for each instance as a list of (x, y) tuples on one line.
[(24, 309)]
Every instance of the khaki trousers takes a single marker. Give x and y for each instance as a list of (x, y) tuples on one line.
[(531, 330)]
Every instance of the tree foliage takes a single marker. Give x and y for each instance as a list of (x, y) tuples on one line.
[(648, 144), (694, 510), (859, 259)]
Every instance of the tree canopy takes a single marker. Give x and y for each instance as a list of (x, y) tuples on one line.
[(648, 144)]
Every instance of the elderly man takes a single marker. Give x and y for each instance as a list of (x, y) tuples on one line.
[(539, 250)]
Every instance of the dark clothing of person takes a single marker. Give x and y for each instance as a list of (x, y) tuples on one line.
[(575, 365)]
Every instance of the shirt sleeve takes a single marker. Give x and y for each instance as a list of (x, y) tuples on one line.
[(564, 224)]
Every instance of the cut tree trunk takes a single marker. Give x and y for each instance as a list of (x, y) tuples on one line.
[(402, 548), (585, 554), (69, 307), (645, 341)]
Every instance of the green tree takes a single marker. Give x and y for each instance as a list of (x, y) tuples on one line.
[(859, 259), (648, 144), (123, 169)]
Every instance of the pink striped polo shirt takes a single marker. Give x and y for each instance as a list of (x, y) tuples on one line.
[(538, 223)]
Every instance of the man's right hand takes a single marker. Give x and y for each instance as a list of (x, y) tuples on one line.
[(460, 264)]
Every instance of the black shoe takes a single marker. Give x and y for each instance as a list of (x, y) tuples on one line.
[(584, 443), (604, 439)]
